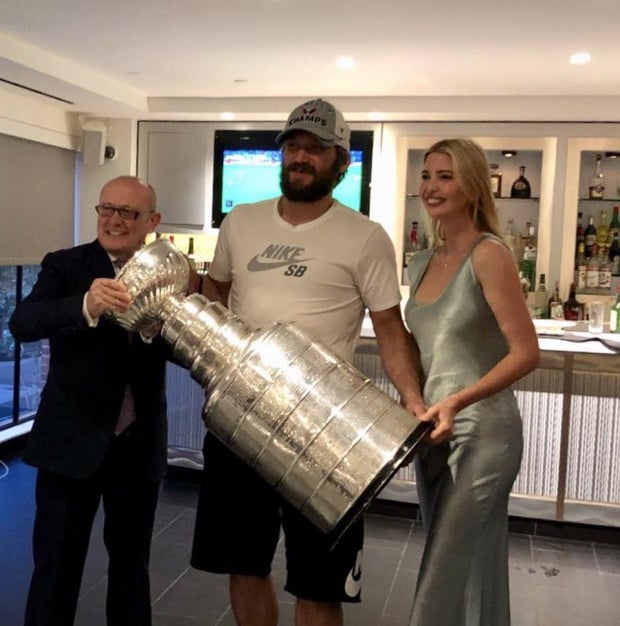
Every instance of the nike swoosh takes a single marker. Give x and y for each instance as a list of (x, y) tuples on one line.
[(353, 583), (255, 265)]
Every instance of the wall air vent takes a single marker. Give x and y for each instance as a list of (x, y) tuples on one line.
[(37, 91)]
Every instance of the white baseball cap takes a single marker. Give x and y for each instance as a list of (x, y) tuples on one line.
[(321, 119)]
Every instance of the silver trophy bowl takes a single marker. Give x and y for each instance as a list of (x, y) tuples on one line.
[(154, 273), (310, 424)]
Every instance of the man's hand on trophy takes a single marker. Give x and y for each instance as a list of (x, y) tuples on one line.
[(107, 295)]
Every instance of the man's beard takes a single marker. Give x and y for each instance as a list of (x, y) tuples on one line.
[(321, 186)]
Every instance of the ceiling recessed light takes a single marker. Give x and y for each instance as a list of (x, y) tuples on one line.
[(345, 63), (227, 115), (509, 153), (580, 58)]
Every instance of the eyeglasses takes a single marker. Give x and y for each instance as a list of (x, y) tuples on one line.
[(314, 149), (124, 212)]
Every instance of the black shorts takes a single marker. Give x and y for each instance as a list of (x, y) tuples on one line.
[(238, 527)]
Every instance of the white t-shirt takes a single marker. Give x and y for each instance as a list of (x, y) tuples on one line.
[(320, 275)]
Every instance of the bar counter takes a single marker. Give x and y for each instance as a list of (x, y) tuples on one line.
[(571, 420)]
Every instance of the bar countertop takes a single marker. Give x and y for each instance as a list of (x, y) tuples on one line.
[(552, 337)]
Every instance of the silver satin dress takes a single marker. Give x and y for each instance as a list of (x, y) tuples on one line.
[(464, 484)]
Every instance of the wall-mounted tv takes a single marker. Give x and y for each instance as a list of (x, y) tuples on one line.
[(246, 168)]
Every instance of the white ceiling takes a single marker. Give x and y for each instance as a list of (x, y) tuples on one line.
[(115, 56)]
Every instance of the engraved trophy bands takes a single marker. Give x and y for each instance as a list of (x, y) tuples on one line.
[(310, 424)]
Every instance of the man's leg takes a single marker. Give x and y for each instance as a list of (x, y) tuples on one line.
[(236, 533), (310, 613), (65, 511), (319, 576), (253, 601), (129, 500)]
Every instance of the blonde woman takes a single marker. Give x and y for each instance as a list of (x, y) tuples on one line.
[(475, 337)]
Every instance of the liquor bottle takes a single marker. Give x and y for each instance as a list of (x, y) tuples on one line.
[(581, 264), (580, 235), (540, 297), (596, 190), (519, 247), (528, 237), (614, 225), (528, 265), (573, 309), (525, 283), (555, 309), (590, 237), (510, 238), (604, 269), (614, 314), (602, 230), (614, 255), (414, 242), (592, 272), (191, 257), (532, 236), (521, 187), (496, 180)]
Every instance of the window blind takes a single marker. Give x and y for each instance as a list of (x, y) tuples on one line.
[(37, 186)]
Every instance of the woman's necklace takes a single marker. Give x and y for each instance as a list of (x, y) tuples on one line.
[(447, 258), (441, 261)]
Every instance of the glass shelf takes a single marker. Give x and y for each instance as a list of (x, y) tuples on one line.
[(595, 292), (411, 196), (532, 199), (599, 199)]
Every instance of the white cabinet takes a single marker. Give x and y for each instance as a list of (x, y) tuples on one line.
[(175, 157)]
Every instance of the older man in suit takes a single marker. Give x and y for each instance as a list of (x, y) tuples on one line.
[(100, 431)]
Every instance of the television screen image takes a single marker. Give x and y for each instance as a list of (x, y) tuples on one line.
[(253, 175), (247, 169)]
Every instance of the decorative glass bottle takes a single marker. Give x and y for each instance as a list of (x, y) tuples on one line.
[(596, 190), (614, 225), (590, 237), (496, 180), (573, 309), (614, 255), (614, 314), (414, 242), (521, 187)]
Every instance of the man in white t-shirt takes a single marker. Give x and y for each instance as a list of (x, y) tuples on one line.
[(308, 259)]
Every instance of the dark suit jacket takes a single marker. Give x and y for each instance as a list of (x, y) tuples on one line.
[(89, 370)]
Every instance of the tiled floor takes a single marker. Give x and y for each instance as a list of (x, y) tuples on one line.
[(553, 582)]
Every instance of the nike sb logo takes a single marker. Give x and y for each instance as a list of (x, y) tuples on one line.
[(275, 256), (353, 583)]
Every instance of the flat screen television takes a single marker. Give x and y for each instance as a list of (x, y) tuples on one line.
[(246, 168)]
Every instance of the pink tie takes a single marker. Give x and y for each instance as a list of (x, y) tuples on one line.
[(127, 414)]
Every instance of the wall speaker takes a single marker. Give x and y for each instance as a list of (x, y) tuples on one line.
[(93, 142)]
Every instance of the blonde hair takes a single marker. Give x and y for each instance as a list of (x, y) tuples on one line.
[(471, 170)]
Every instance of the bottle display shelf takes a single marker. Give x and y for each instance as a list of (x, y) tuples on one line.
[(590, 200)]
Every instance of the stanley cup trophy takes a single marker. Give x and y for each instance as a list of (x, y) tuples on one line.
[(310, 424)]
